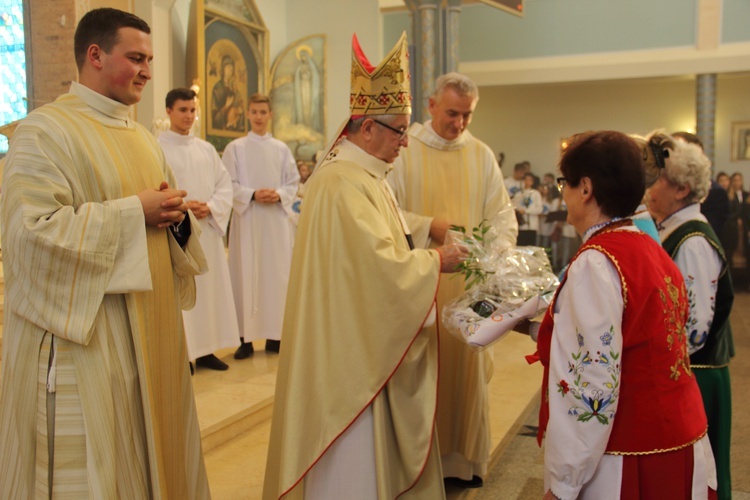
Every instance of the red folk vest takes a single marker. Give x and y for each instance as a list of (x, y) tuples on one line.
[(659, 404)]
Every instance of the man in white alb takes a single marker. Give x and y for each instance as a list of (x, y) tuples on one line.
[(265, 180), (212, 324)]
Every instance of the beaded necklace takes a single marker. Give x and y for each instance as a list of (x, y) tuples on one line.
[(614, 223)]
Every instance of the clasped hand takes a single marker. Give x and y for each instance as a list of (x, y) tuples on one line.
[(199, 208), (266, 195), (163, 207)]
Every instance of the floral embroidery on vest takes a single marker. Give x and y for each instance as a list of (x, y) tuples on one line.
[(675, 325)]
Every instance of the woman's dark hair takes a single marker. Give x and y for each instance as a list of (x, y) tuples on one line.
[(534, 180), (612, 161)]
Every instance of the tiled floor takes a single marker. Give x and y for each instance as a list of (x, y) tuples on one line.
[(238, 402)]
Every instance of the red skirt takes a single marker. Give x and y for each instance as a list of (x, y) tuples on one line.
[(662, 476)]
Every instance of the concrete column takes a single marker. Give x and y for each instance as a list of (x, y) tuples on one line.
[(425, 26), (705, 105), (452, 14)]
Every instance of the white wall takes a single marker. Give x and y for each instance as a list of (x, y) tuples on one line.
[(179, 18), (157, 14), (274, 14), (526, 122)]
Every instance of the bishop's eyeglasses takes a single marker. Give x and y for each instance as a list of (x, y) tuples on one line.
[(401, 133)]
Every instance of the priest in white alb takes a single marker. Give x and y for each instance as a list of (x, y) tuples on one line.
[(445, 177), (212, 324)]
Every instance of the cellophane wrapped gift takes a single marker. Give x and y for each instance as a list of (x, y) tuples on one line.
[(504, 285)]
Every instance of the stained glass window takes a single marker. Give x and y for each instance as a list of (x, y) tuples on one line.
[(12, 65)]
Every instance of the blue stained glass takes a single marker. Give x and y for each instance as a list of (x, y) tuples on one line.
[(13, 105)]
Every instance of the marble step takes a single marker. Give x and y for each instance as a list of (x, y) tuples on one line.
[(234, 401)]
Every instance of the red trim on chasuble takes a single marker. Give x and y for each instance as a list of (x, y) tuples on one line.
[(377, 393), (437, 392)]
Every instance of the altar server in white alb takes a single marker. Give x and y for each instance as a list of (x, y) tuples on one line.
[(265, 180), (212, 324)]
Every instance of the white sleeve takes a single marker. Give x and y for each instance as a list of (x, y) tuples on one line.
[(242, 195), (220, 202), (498, 208), (700, 266), (289, 182), (131, 272), (584, 376)]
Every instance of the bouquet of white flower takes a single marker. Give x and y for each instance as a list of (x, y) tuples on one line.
[(504, 285)]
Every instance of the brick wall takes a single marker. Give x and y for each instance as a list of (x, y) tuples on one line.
[(53, 65)]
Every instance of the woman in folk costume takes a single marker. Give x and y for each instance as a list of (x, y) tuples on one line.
[(356, 395), (674, 201), (612, 340)]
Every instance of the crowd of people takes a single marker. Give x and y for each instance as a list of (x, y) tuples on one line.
[(109, 234), (728, 210), (540, 212)]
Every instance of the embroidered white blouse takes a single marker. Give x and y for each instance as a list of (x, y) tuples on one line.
[(700, 265)]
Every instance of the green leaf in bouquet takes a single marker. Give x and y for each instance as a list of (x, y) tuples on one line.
[(470, 267)]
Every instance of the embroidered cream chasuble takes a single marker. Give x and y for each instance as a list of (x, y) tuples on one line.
[(352, 328), (92, 312), (458, 181)]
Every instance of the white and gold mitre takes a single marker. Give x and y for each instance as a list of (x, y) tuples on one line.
[(384, 89)]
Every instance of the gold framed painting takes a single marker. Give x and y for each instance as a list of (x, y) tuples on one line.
[(228, 56), (741, 141)]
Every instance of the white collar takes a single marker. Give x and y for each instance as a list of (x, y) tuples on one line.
[(427, 135), (172, 137), (104, 105), (678, 218), (346, 150)]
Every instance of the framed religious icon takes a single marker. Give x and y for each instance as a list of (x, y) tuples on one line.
[(298, 96), (741, 141), (227, 54)]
